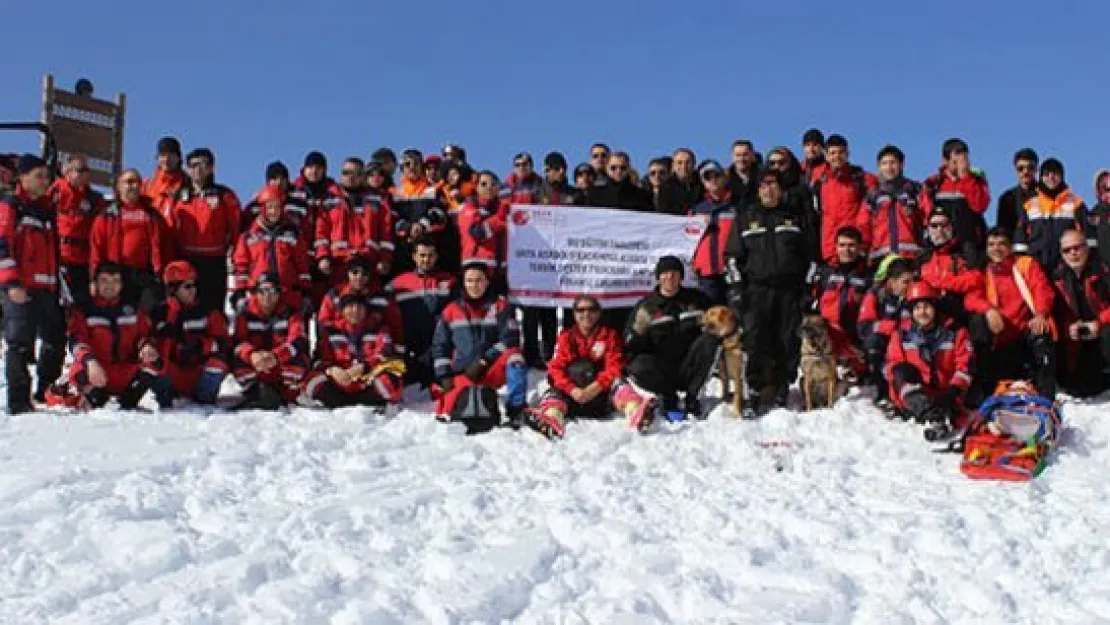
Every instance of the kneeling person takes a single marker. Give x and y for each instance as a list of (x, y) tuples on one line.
[(193, 339), (114, 351), (929, 363), (581, 375), (271, 349), (476, 350), (354, 365)]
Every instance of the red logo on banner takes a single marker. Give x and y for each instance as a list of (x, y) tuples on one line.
[(520, 218)]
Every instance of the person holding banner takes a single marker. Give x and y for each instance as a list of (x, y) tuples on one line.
[(772, 247), (482, 228), (587, 363), (719, 210), (660, 332)]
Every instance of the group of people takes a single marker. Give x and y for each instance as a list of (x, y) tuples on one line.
[(342, 292)]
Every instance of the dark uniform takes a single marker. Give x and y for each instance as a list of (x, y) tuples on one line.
[(769, 253)]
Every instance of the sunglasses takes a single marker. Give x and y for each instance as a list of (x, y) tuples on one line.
[(711, 175), (356, 271), (776, 162), (409, 164), (269, 290), (586, 309), (1073, 248)]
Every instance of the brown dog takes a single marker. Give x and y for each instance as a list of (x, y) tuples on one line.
[(721, 322), (819, 376)]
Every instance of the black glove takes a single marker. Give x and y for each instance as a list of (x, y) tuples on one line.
[(736, 299), (476, 370), (917, 405), (446, 383)]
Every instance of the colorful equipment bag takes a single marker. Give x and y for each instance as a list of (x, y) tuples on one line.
[(1011, 435)]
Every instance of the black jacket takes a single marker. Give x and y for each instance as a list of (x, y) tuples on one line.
[(677, 197), (675, 323), (1010, 205), (1098, 229), (771, 246), (624, 195), (743, 191)]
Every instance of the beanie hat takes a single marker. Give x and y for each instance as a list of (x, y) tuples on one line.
[(28, 163), (813, 135), (204, 153), (169, 145), (554, 160), (709, 165), (669, 263), (315, 158), (276, 169), (269, 278), (358, 262), (1052, 165), (941, 211), (583, 168), (382, 155), (891, 150)]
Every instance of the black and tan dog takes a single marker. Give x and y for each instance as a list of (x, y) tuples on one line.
[(721, 323), (819, 380)]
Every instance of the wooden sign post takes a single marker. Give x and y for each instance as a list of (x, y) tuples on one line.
[(82, 124)]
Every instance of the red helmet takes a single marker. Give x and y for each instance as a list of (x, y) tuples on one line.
[(179, 271), (919, 291), (271, 193)]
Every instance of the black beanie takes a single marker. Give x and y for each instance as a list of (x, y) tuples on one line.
[(1053, 165), (169, 145), (315, 158), (941, 211), (891, 150), (29, 163), (277, 169), (813, 135), (669, 263), (555, 160), (359, 262)]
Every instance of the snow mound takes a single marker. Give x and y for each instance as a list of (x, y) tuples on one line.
[(347, 517)]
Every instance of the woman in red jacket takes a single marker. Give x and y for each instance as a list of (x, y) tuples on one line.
[(588, 360)]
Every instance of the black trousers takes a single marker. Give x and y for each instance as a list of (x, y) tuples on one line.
[(77, 281), (876, 346), (1083, 373), (39, 317), (1029, 358), (539, 326), (142, 289), (211, 281), (771, 318), (666, 377), (598, 408)]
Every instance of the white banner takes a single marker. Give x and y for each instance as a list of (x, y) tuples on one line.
[(556, 253)]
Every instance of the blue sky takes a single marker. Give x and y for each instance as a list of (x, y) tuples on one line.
[(497, 77)]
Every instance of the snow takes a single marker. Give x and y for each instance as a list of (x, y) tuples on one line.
[(348, 517)]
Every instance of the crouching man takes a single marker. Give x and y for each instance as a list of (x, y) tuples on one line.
[(929, 364), (114, 351), (193, 340), (475, 351), (271, 349), (354, 365), (587, 362)]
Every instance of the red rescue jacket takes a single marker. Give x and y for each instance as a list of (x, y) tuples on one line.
[(602, 346), (108, 332), (28, 243), (482, 228), (1000, 290), (272, 249), (281, 332), (76, 209), (380, 304), (709, 255), (943, 356), (839, 291), (892, 220), (205, 223), (131, 235), (189, 337), (342, 345), (837, 197)]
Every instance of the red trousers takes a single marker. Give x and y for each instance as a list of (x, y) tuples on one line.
[(494, 378), (119, 375), (185, 378)]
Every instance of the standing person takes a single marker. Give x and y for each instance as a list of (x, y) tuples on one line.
[(555, 190), (1054, 209), (29, 281), (1098, 220), (326, 205), (621, 191), (813, 150), (769, 254), (680, 191), (420, 209), (482, 229), (719, 209), (271, 246), (205, 223), (376, 219), (77, 204), (838, 194), (794, 183), (476, 351), (1012, 201), (130, 233), (586, 366), (296, 204), (522, 186), (743, 172), (892, 219), (168, 179), (963, 191), (599, 162), (421, 296), (388, 160)]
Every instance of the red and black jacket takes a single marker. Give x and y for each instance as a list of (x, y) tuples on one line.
[(108, 332), (76, 209), (189, 337), (28, 243), (602, 346)]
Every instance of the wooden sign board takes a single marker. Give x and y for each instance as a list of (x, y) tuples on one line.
[(85, 125)]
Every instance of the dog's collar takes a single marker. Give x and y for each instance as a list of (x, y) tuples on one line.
[(735, 332)]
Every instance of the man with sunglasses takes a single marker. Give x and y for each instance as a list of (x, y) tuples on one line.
[(1082, 317), (620, 191), (271, 349), (29, 285), (361, 226), (945, 265), (587, 363), (1053, 210), (77, 203), (194, 342), (204, 223), (1013, 200), (599, 162), (115, 352), (1011, 323), (555, 190), (719, 209), (522, 186), (680, 189)]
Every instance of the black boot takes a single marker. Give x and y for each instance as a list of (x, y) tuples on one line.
[(19, 380), (261, 396), (514, 416)]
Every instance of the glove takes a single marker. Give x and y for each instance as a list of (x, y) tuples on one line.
[(446, 383), (476, 370), (478, 231), (918, 405), (642, 322)]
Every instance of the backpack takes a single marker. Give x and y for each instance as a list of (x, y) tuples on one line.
[(1011, 434)]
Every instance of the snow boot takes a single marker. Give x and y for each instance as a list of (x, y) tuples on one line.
[(637, 406), (549, 418)]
